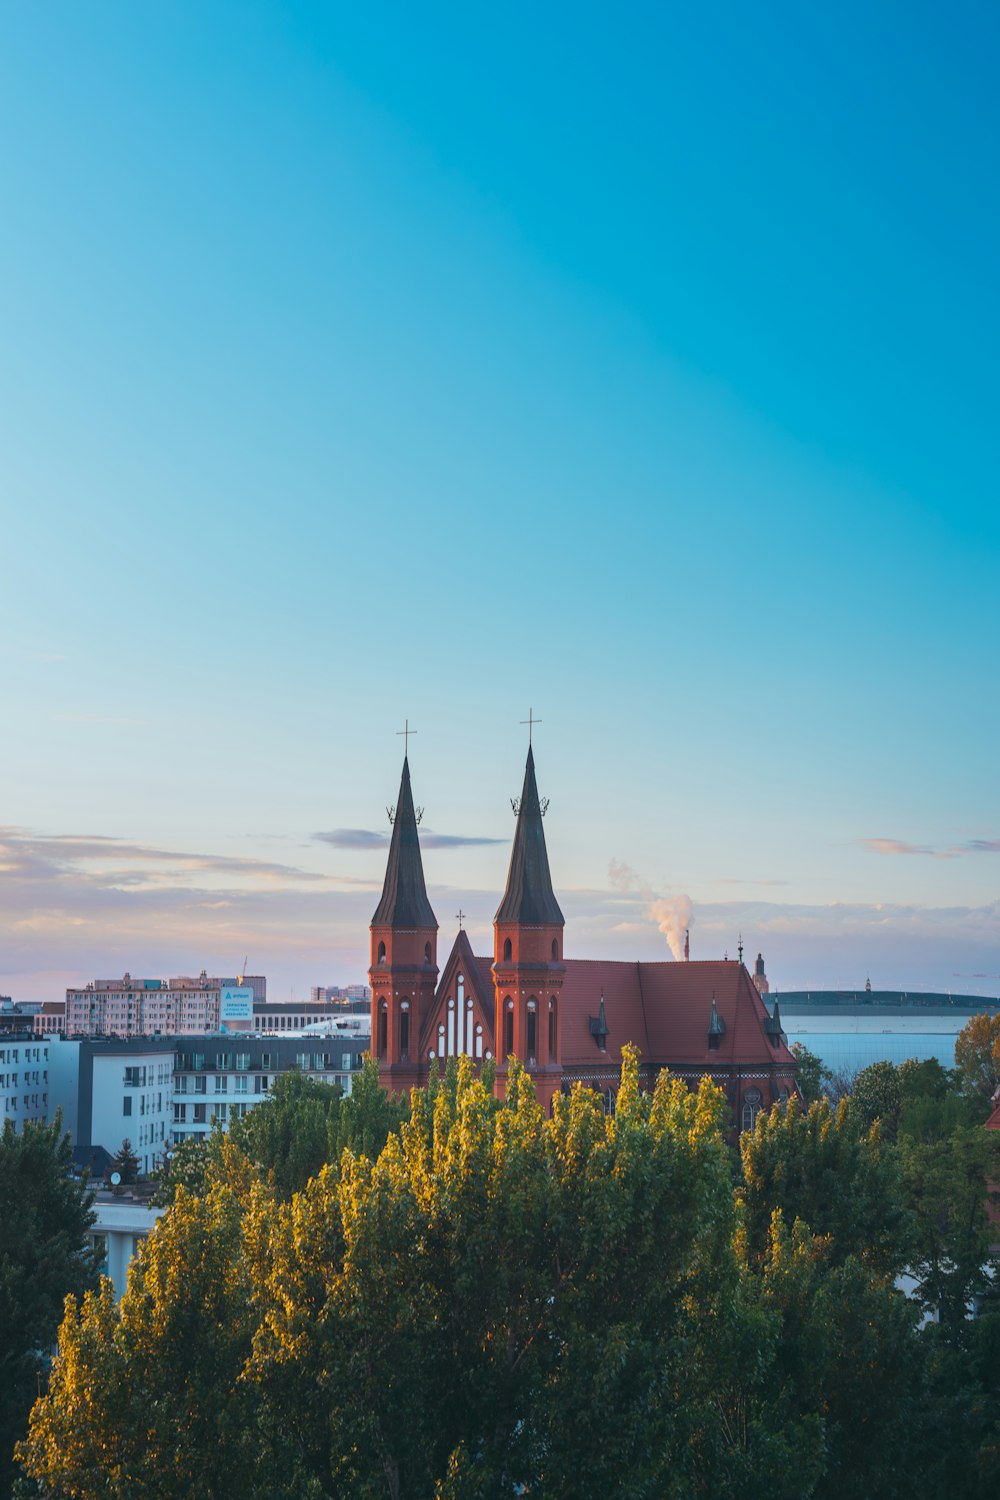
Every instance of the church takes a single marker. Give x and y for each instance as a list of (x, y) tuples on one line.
[(567, 1019)]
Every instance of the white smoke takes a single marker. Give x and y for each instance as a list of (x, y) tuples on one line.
[(673, 915)]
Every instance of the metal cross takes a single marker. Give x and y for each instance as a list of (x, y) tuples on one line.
[(406, 737), (531, 721), (460, 916)]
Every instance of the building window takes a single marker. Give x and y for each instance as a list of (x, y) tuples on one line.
[(381, 953), (555, 950), (127, 1105), (404, 1030), (507, 950), (508, 1028), (532, 1039), (427, 953), (751, 1108), (383, 1030), (552, 1029)]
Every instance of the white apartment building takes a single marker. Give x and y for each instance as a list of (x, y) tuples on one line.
[(221, 1078), (114, 1089), (24, 1078)]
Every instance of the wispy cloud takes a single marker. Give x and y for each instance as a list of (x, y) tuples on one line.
[(950, 851), (900, 846), (366, 838), (108, 862)]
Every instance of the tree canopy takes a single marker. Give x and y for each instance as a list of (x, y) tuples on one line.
[(44, 1257), (454, 1296)]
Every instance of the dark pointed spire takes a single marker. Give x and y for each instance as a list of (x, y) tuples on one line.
[(599, 1026), (716, 1025), (529, 899), (404, 900)]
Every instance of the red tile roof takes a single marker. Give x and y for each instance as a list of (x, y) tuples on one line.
[(665, 1009)]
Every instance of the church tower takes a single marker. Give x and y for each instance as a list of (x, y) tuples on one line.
[(528, 968), (403, 973)]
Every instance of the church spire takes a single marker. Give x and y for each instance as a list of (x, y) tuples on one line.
[(529, 899), (404, 900)]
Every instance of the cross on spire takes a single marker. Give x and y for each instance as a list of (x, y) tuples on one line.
[(531, 721), (406, 737), (460, 917)]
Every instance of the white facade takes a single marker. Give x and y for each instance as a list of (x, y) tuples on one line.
[(133, 1099), (120, 1224), (110, 1092), (24, 1078), (221, 1085)]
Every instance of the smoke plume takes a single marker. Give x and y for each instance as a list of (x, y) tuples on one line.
[(672, 914)]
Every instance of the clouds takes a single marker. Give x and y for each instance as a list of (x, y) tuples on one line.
[(84, 904), (366, 838), (951, 851)]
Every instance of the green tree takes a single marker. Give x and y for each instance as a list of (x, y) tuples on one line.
[(810, 1073), (461, 1306), (125, 1163), (145, 1396), (44, 1256), (190, 1165), (369, 1115), (977, 1059), (816, 1165), (876, 1095), (949, 1185), (288, 1135)]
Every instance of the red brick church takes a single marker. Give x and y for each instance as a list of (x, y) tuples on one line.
[(566, 1018)]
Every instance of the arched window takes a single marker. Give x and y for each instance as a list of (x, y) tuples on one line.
[(404, 1030), (381, 953), (555, 950), (508, 1027), (507, 950), (383, 1029), (552, 1029), (751, 1108), (427, 953), (609, 1100), (532, 1038)]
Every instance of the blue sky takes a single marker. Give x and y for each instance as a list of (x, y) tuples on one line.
[(369, 362)]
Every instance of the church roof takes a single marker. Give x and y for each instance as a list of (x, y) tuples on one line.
[(664, 1009), (404, 900), (529, 899)]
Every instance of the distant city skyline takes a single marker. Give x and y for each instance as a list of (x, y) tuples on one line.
[(368, 366)]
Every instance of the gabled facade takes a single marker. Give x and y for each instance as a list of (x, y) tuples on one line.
[(566, 1019)]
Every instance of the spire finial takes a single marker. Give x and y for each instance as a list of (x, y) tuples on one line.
[(406, 737), (740, 948), (531, 721), (460, 916)]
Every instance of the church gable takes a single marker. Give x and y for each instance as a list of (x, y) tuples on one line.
[(460, 1022)]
